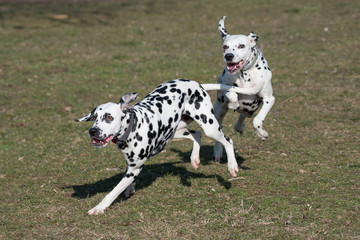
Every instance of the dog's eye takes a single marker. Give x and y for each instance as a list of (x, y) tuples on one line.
[(109, 118), (225, 47), (241, 46)]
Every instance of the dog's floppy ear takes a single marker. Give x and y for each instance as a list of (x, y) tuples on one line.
[(87, 118), (222, 30), (126, 100), (253, 39)]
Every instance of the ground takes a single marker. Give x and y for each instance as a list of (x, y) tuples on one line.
[(59, 59)]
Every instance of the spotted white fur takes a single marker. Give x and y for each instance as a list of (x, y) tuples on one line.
[(143, 130), (246, 68)]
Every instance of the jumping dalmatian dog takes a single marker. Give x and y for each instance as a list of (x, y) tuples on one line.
[(246, 68), (143, 130)]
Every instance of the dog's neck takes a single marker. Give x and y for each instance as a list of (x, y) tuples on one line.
[(255, 53), (130, 120)]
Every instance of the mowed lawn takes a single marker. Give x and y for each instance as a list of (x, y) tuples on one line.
[(59, 59)]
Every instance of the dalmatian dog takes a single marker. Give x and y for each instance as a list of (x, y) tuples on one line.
[(246, 68), (143, 130)]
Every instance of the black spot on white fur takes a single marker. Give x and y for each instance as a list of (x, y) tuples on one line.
[(157, 117)]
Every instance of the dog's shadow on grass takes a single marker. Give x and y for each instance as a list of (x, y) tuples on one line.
[(149, 174), (206, 156)]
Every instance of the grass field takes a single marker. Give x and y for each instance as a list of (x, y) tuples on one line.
[(59, 59)]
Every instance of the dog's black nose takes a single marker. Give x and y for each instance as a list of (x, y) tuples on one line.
[(229, 56), (95, 132)]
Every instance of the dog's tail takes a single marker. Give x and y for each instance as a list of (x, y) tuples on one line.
[(227, 88)]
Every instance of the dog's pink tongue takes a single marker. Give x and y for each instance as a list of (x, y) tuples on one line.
[(102, 142), (235, 66), (232, 66), (241, 63), (108, 139)]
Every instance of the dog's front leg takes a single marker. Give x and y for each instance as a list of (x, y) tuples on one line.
[(233, 100), (127, 180), (130, 190)]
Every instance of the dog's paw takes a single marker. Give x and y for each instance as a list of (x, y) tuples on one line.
[(232, 96), (96, 211), (195, 162), (259, 130), (233, 105), (130, 190), (261, 133), (239, 127), (233, 170)]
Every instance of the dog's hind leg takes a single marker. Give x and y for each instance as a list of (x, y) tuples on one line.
[(127, 180), (207, 121), (218, 135), (195, 136), (240, 126), (268, 102)]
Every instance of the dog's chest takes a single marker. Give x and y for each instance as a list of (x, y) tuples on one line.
[(246, 79), (242, 79), (248, 104)]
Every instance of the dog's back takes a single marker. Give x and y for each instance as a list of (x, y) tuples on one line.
[(162, 110)]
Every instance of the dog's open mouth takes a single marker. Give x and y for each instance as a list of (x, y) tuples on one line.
[(232, 67), (101, 142)]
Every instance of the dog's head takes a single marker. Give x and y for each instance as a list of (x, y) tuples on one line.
[(107, 120), (237, 49)]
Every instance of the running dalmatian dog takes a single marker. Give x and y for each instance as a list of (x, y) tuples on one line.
[(143, 130), (246, 68)]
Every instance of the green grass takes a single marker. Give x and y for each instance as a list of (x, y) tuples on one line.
[(301, 183)]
